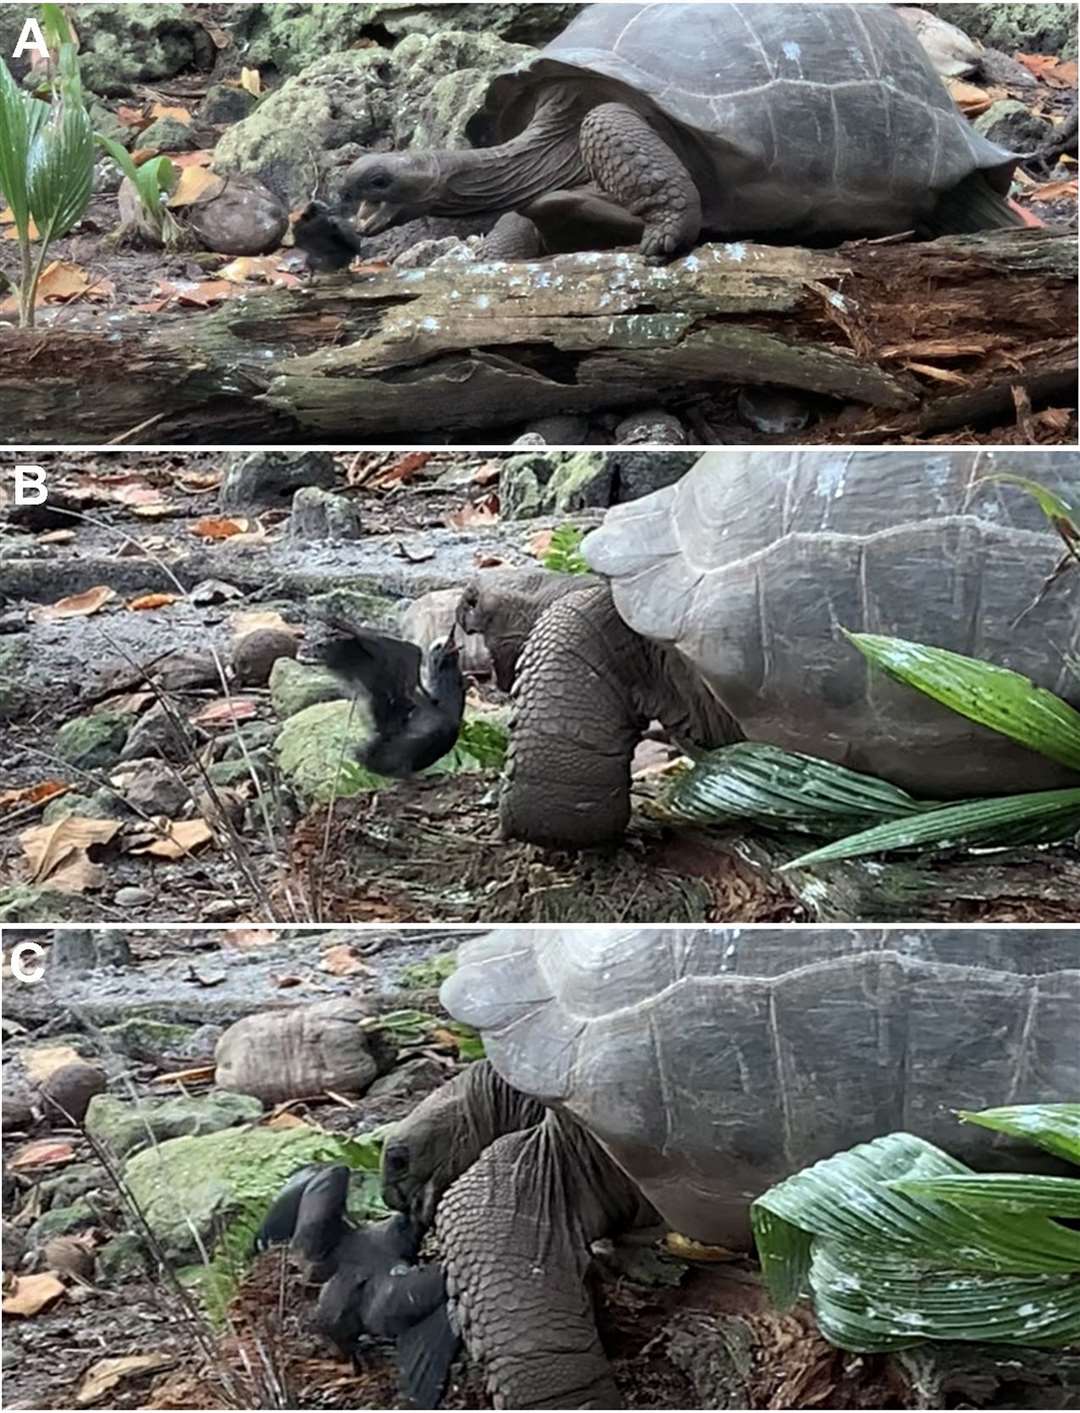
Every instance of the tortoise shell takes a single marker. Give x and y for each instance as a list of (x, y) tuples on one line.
[(811, 118)]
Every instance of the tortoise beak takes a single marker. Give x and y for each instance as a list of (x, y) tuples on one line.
[(375, 216)]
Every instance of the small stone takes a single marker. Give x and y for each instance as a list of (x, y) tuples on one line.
[(559, 431), (14, 1245), (133, 899), (221, 910), (68, 1256), (61, 1221), (419, 1076), (67, 1092), (254, 655), (14, 656)]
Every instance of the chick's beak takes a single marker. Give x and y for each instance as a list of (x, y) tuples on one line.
[(375, 216)]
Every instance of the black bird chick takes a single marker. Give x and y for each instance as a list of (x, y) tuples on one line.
[(416, 706), (373, 1285), (329, 242)]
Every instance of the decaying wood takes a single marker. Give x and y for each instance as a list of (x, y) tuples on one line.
[(926, 336)]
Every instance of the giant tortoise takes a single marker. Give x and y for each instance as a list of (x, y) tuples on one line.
[(639, 1078), (663, 121), (720, 613)]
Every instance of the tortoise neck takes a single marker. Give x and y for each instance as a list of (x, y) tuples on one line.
[(545, 157)]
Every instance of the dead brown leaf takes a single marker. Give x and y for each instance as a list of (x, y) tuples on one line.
[(251, 80), (55, 537), (481, 512), (43, 1060), (216, 528), (196, 184), (104, 1376), (31, 1294), (540, 543), (33, 794), (970, 99), (43, 1153), (77, 605), (342, 960), (202, 158), (148, 602), (1052, 191), (49, 848), (7, 220), (226, 711), (180, 837), (259, 270), (246, 939), (403, 470), (1051, 70), (163, 110)]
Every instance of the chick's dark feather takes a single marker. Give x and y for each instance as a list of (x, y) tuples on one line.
[(415, 724), (329, 242)]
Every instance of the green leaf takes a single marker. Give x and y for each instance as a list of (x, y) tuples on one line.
[(564, 553), (784, 789), (1061, 515), (888, 1266), (995, 697), (1012, 1192), (470, 1045), (1055, 1127), (21, 119), (1046, 816), (60, 161)]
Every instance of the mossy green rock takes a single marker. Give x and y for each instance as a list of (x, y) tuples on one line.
[(295, 686), (128, 1127), (581, 483), (1027, 28), (93, 742), (74, 1182), (59, 1221), (168, 135), (191, 1189), (142, 1036), (102, 804), (354, 605), (316, 743), (123, 45), (25, 903)]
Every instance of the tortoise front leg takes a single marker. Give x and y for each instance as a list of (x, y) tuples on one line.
[(513, 237), (633, 164)]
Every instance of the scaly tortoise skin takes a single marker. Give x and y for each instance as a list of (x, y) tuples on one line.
[(661, 121), (722, 614), (642, 1078)]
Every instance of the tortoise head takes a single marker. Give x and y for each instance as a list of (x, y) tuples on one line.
[(426, 1151), (389, 188)]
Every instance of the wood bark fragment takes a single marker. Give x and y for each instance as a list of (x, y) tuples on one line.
[(463, 351)]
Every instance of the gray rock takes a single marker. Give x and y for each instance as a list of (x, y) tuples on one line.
[(155, 789), (419, 1076), (247, 217), (25, 904), (225, 104), (93, 742), (522, 483), (169, 135), (271, 478), (17, 1110), (124, 45), (1013, 126), (323, 515), (129, 1127), (142, 1038), (639, 473), (582, 482), (78, 1180), (355, 608), (775, 412), (75, 950), (160, 732)]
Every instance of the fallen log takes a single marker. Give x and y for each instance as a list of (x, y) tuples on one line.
[(921, 338)]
